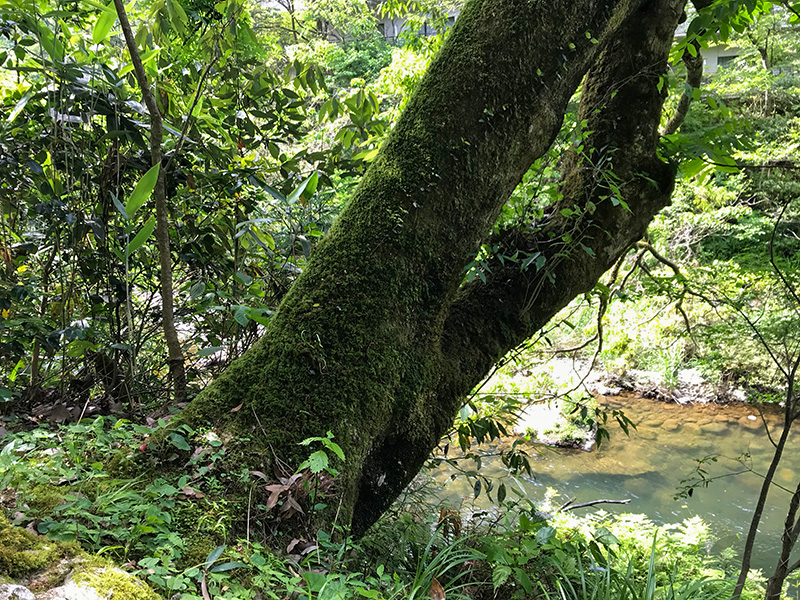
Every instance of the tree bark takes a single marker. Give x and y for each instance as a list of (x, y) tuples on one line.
[(378, 340)]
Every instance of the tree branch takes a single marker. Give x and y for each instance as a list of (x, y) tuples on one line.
[(570, 506), (694, 77), (488, 319)]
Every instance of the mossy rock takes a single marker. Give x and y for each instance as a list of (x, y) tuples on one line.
[(62, 571), (23, 553), (112, 582)]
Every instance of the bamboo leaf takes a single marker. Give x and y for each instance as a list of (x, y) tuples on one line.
[(19, 106), (228, 566), (142, 236), (214, 555), (104, 23), (295, 195), (142, 191)]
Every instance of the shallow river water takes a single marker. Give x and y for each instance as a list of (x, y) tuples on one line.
[(648, 467)]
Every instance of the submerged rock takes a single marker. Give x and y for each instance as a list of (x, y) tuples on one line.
[(716, 427), (671, 425), (750, 422)]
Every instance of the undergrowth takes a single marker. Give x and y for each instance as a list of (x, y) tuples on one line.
[(174, 533)]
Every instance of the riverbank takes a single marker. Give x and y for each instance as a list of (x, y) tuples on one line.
[(559, 406)]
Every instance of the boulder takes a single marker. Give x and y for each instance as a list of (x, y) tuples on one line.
[(12, 591)]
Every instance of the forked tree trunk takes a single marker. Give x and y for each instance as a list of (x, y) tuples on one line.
[(378, 341)]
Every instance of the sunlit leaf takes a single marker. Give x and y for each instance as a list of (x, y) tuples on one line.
[(295, 195), (142, 191), (104, 23), (19, 106), (317, 461)]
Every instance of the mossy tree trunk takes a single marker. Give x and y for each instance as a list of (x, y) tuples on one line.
[(379, 340)]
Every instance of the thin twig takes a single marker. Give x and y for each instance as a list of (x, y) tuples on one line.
[(570, 506)]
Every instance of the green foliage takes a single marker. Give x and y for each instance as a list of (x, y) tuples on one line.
[(261, 153), (362, 60), (319, 461), (628, 556), (735, 151), (81, 274)]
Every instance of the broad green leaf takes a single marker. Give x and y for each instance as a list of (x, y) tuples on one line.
[(244, 278), (524, 580), (228, 566), (545, 534), (273, 192), (142, 191), (605, 537), (208, 351), (214, 555), (316, 581), (295, 195), (501, 493), (500, 575), (367, 155), (265, 240), (197, 290), (240, 316), (142, 236), (50, 43), (335, 448), (179, 442), (692, 167), (78, 348), (317, 462), (525, 524), (260, 315), (104, 23)]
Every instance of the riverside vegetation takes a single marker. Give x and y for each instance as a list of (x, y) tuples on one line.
[(271, 117)]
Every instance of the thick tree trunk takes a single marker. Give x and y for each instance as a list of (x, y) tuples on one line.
[(378, 340)]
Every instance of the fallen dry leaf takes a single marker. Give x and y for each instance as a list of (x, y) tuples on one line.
[(437, 591)]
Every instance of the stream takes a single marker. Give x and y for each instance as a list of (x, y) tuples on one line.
[(648, 467)]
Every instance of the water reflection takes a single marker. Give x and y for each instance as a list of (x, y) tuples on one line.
[(648, 467)]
